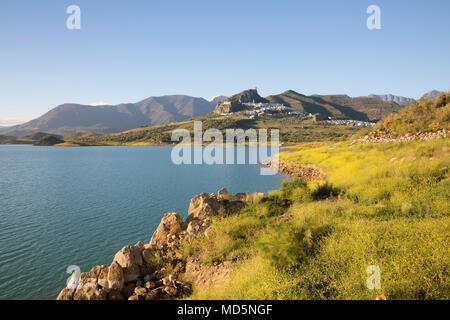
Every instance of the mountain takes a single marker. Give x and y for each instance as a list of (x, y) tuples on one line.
[(72, 118), (403, 101), (337, 106), (218, 99), (433, 94)]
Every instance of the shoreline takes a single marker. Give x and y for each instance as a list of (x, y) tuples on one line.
[(157, 270)]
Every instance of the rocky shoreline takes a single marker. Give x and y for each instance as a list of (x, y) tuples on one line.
[(158, 270), (382, 136), (307, 172)]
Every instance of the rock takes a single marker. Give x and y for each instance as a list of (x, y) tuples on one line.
[(101, 272), (139, 291), (150, 285), (202, 206), (194, 226), (93, 285), (147, 278), (307, 172), (153, 294), (241, 196), (140, 245), (115, 277), (89, 291), (286, 217), (130, 259), (222, 193), (115, 295), (66, 294), (128, 290), (171, 291), (171, 224), (129, 256)]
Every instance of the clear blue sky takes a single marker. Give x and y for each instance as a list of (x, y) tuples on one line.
[(129, 50)]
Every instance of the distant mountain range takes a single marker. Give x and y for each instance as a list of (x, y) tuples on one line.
[(72, 118), (433, 94), (404, 101)]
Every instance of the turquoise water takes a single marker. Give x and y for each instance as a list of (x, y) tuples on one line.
[(79, 206)]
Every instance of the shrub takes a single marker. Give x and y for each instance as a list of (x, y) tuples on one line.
[(324, 191)]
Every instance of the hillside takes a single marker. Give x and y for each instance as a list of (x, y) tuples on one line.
[(421, 116), (293, 129), (337, 106), (74, 118), (371, 210)]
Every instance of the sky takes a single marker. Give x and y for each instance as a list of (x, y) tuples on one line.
[(126, 51)]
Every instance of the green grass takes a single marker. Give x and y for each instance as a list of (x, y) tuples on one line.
[(383, 204)]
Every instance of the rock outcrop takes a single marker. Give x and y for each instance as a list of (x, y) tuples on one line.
[(152, 271), (236, 103), (383, 136), (307, 172)]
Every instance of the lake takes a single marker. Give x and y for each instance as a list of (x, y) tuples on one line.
[(79, 206)]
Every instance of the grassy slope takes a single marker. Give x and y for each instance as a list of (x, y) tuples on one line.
[(293, 129), (384, 204), (420, 116)]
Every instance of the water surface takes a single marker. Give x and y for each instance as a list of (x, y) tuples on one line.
[(79, 206)]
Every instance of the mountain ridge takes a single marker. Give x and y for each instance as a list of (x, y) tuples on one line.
[(69, 118), (404, 101), (339, 106)]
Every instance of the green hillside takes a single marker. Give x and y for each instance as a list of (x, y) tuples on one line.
[(293, 129), (421, 116), (382, 204), (338, 106)]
